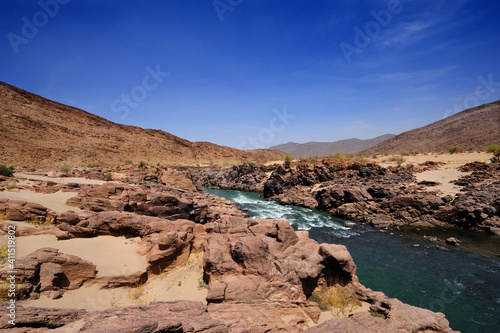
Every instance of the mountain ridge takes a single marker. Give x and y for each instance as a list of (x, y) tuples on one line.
[(345, 146), (36, 131)]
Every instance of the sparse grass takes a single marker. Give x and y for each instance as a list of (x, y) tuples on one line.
[(109, 176), (4, 291), (39, 221), (6, 171), (338, 299), (70, 148), (377, 314), (128, 162), (313, 159), (398, 159), (64, 168), (137, 292), (95, 165), (202, 284), (4, 251), (453, 150)]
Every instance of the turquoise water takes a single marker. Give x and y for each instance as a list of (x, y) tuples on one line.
[(463, 283)]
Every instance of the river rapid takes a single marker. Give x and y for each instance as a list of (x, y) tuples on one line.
[(462, 282)]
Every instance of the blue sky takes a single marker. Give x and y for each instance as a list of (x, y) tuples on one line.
[(254, 73)]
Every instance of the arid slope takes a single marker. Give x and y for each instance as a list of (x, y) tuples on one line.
[(35, 131), (471, 129)]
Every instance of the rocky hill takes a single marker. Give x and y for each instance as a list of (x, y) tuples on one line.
[(348, 146), (471, 129), (38, 132)]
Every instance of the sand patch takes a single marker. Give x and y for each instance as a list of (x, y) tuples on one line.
[(61, 180), (55, 201), (111, 255), (455, 159), (443, 176), (158, 288)]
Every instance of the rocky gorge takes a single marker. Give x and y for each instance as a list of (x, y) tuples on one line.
[(384, 197), (260, 274)]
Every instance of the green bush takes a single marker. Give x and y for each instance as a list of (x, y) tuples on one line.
[(495, 150), (6, 171), (109, 176), (453, 150), (64, 169), (129, 162), (398, 159), (95, 165), (288, 160), (142, 164)]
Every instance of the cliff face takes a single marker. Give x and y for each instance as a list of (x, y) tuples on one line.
[(471, 129), (35, 131)]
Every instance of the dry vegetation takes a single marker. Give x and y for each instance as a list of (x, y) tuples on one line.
[(340, 300)]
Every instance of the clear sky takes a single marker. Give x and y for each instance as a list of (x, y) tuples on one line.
[(255, 73)]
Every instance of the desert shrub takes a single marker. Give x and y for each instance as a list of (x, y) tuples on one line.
[(398, 159), (95, 165), (339, 155), (288, 160), (109, 176), (453, 150), (6, 171), (340, 300), (313, 159), (38, 220), (142, 164), (4, 251), (128, 162), (64, 169), (495, 150), (202, 284)]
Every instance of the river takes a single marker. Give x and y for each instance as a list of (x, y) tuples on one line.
[(462, 282)]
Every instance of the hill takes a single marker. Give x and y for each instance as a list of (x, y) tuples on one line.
[(471, 129), (348, 146), (35, 131)]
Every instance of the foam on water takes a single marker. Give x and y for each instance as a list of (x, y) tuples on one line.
[(300, 218)]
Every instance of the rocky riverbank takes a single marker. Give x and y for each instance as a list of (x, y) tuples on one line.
[(260, 274), (369, 193)]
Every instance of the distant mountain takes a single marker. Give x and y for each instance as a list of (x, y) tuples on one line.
[(35, 131), (471, 129), (348, 146)]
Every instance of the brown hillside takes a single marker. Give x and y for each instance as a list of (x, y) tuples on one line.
[(35, 131), (471, 129)]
